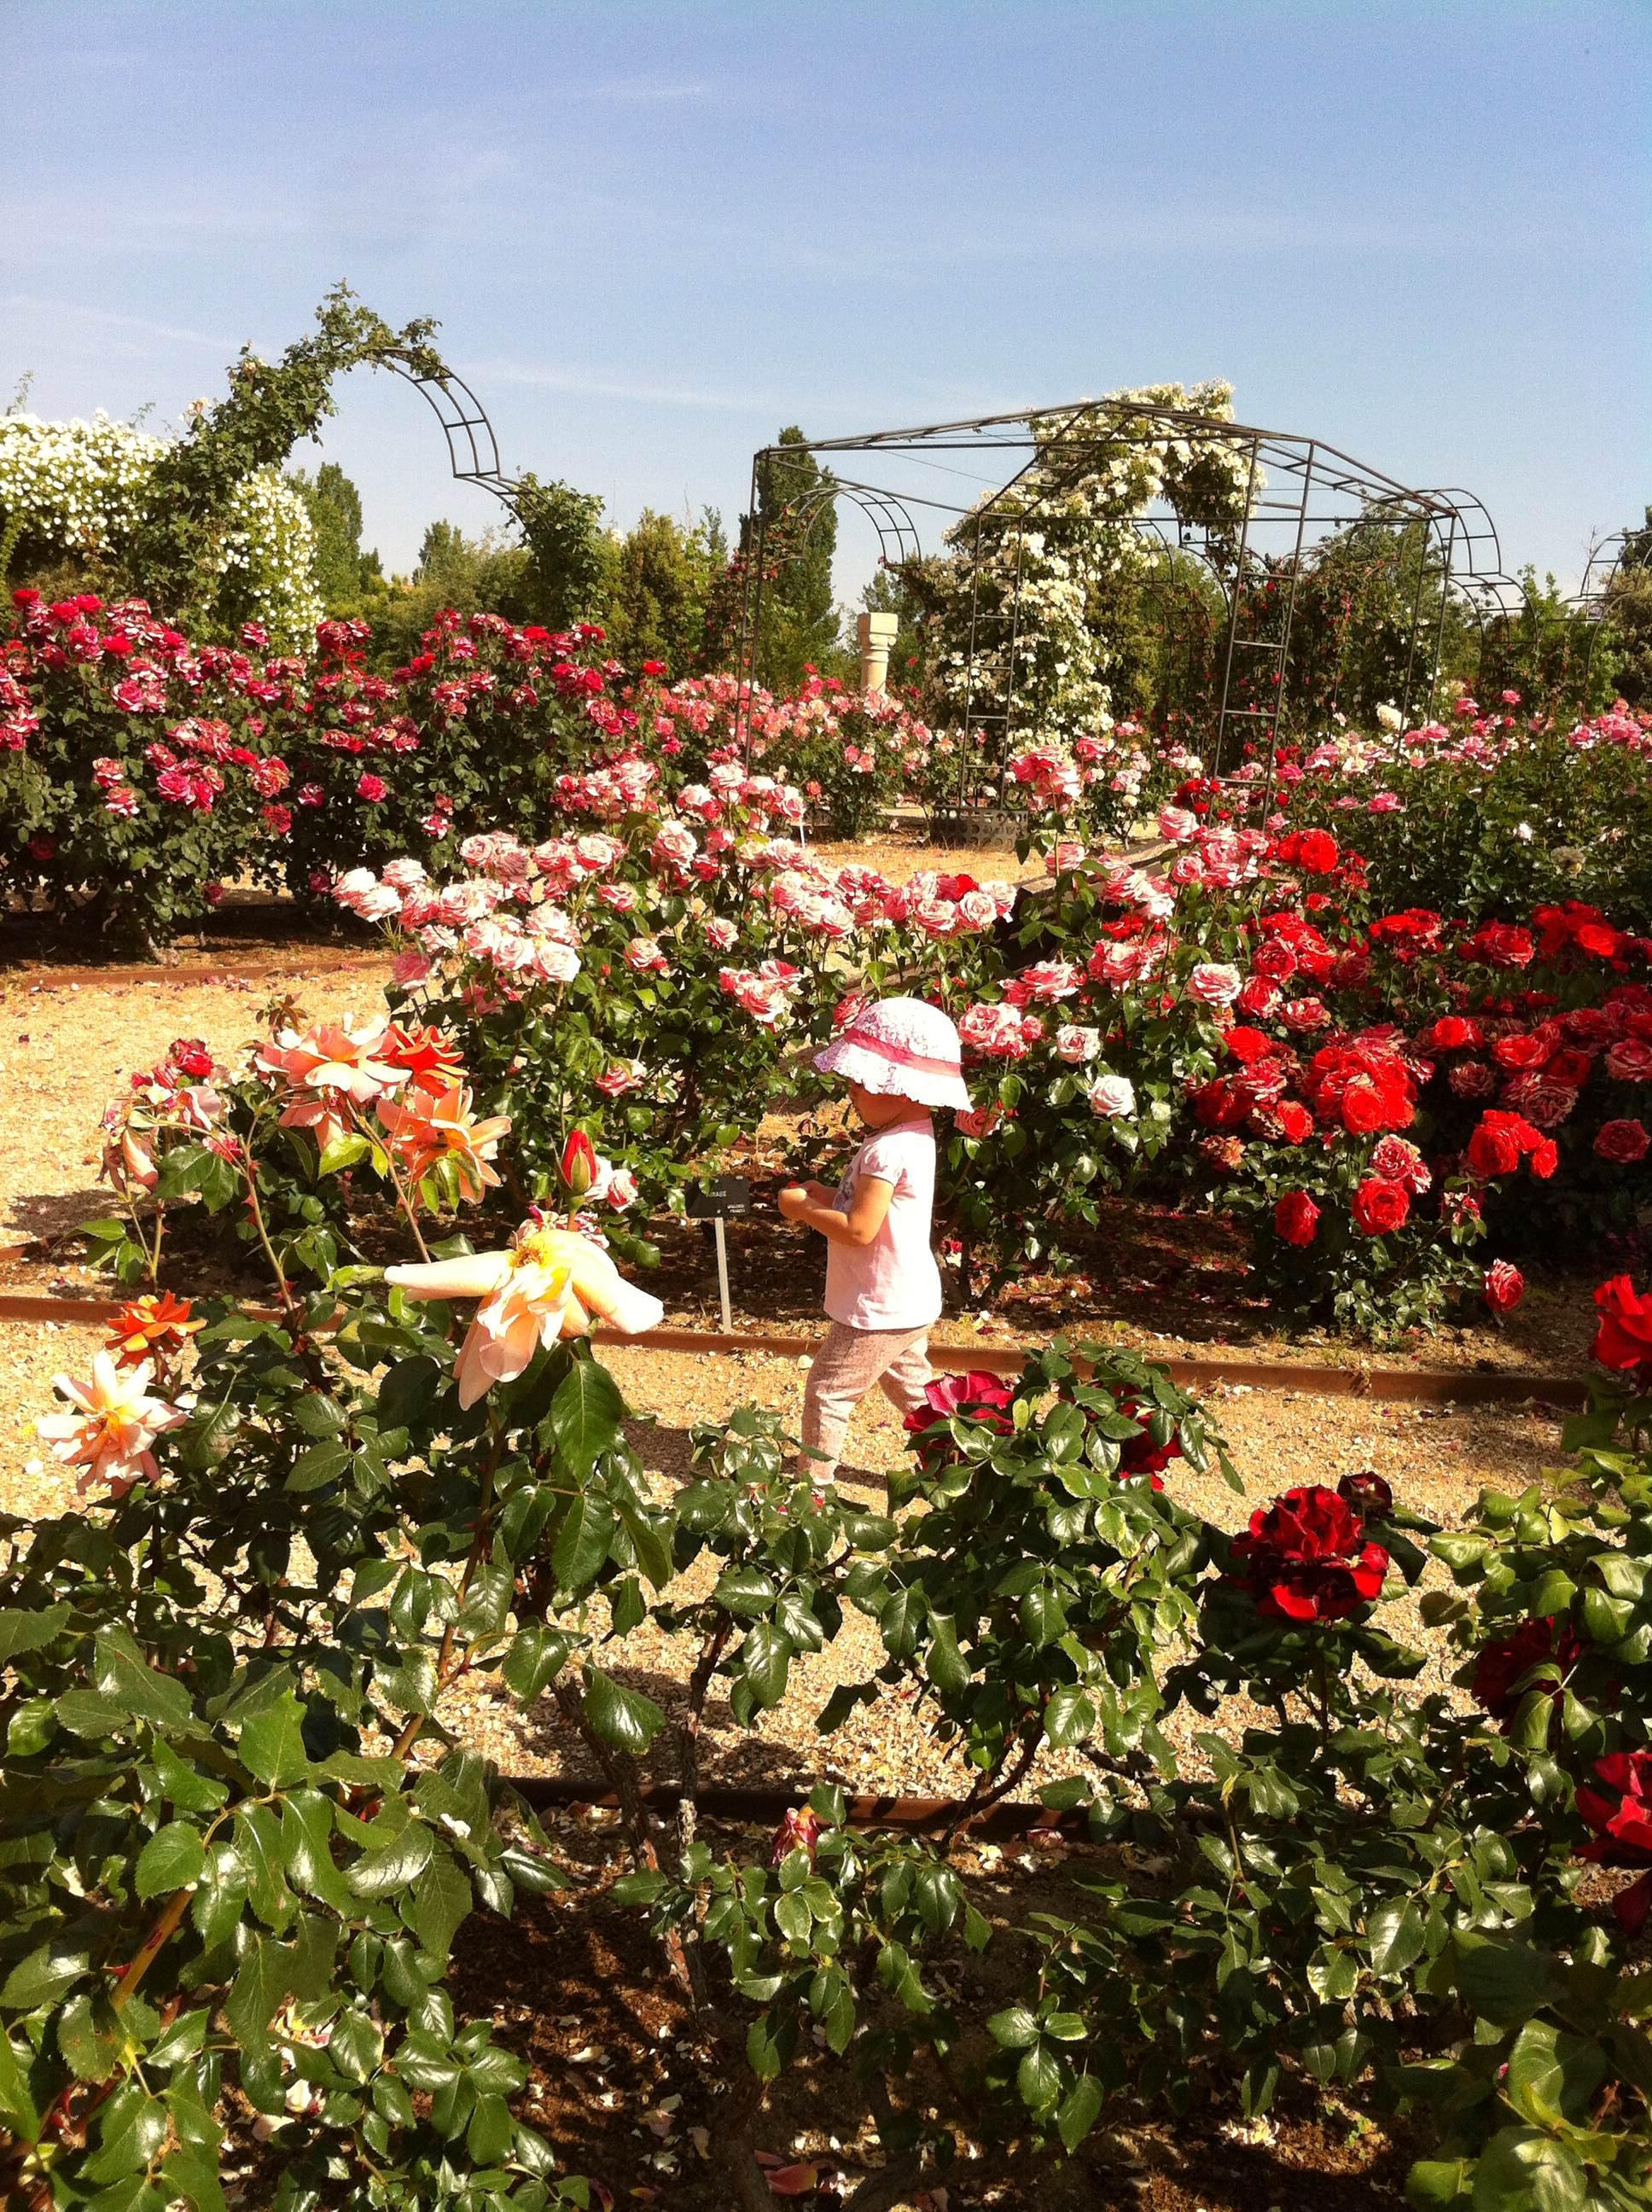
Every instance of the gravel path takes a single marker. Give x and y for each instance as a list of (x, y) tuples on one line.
[(65, 1049)]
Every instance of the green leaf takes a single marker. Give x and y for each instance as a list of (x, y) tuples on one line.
[(272, 1743), (123, 1675), (185, 1786), (220, 1895), (261, 1987), (583, 1540), (491, 2130), (438, 1903), (944, 1664), (1038, 2077), (17, 2107), (172, 1859), (45, 1974), (1434, 2183), (537, 1656), (1069, 1717), (1396, 1934), (316, 1466), (766, 1661), (1013, 2029), (622, 1718), (1043, 1616), (1521, 2170), (1552, 2077), (1078, 2113), (382, 1872), (585, 1415), (29, 1630)]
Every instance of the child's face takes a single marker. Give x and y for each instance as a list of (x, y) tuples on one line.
[(877, 1111)]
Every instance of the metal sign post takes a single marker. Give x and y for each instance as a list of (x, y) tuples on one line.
[(727, 1198)]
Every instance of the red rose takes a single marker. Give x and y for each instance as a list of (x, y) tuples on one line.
[(1139, 1454), (1380, 1208), (1520, 1051), (1621, 1142), (1297, 1218), (1294, 1120), (1316, 852), (974, 1397), (1497, 1143), (1306, 1557), (1248, 1045), (1623, 1339), (1505, 1287), (1545, 1159), (1620, 1812), (1450, 1033), (1501, 1670)]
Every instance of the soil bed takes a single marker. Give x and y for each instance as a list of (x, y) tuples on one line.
[(621, 2086)]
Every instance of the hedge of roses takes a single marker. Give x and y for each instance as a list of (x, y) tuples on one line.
[(1374, 1094), (143, 772), (233, 1886), (1490, 813)]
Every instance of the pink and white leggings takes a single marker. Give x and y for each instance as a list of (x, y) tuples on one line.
[(845, 1369)]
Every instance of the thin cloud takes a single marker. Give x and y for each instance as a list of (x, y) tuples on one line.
[(20, 303)]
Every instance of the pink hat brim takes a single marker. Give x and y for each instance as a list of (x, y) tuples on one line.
[(885, 1077)]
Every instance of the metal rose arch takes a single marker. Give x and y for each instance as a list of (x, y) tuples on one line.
[(1288, 577)]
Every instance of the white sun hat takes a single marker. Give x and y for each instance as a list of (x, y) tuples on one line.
[(901, 1048)]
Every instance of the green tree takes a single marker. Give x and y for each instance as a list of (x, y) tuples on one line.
[(570, 555), (799, 625), (344, 574), (1629, 617), (660, 582)]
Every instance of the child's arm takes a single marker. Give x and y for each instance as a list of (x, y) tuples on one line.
[(867, 1213)]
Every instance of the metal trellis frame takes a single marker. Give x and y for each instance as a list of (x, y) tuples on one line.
[(1301, 497)]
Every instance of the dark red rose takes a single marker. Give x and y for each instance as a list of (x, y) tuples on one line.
[(1501, 1670), (1367, 1493), (799, 1831), (1380, 1208), (1306, 1558), (1620, 1812), (1297, 1218), (1294, 1120), (1623, 1143), (1505, 1287), (1623, 1339)]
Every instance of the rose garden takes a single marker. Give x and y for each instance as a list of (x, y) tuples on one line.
[(385, 1637)]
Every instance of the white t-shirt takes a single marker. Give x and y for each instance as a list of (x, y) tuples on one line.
[(893, 1282)]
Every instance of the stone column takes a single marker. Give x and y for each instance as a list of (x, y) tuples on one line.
[(876, 635)]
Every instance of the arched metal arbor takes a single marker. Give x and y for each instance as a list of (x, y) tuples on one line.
[(1300, 498), (472, 447)]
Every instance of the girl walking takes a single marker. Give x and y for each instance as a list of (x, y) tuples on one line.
[(899, 1060)]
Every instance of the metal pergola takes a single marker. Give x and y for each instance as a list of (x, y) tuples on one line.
[(1299, 494)]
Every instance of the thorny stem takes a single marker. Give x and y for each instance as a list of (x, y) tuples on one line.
[(381, 1144), (446, 1668)]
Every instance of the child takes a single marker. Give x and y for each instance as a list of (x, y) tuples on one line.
[(900, 1058)]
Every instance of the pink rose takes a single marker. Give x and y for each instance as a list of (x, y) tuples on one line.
[(1112, 1096), (1077, 1044)]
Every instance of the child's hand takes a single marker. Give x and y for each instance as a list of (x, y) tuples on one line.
[(821, 1193), (792, 1200)]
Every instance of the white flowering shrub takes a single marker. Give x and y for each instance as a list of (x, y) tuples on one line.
[(1017, 648), (83, 491)]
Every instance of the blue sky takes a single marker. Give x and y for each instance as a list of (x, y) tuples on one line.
[(654, 234)]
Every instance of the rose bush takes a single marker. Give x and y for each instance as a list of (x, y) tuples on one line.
[(242, 1939)]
